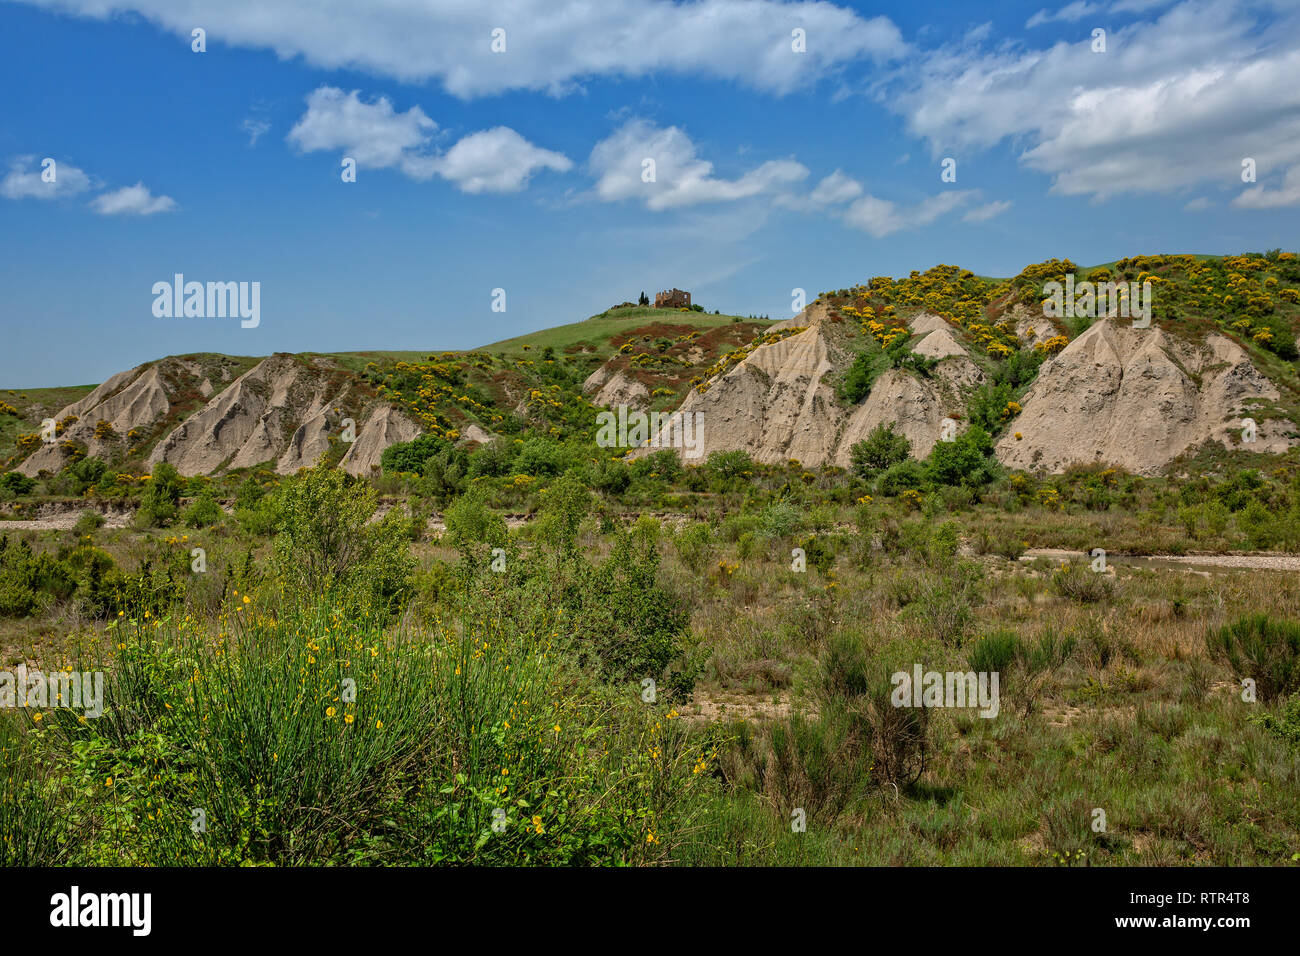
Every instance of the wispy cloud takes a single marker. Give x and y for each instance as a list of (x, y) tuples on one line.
[(1260, 197), (882, 217), (134, 200), (255, 128), (987, 211)]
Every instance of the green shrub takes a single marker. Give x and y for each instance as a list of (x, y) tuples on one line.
[(408, 457), (564, 506), (779, 519), (203, 512), (161, 496), (904, 476), (15, 484), (994, 653), (1081, 584), (473, 528), (492, 460), (1285, 724), (85, 474), (30, 582), (1262, 648), (444, 474), (861, 375), (944, 603), (881, 449), (326, 544), (966, 460), (694, 545), (88, 522), (944, 541), (541, 457), (819, 554), (728, 469)]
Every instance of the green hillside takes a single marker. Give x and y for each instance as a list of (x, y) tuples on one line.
[(594, 334)]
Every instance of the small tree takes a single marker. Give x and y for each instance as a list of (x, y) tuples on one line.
[(882, 448), (158, 505), (564, 506), (967, 460), (326, 543), (473, 529)]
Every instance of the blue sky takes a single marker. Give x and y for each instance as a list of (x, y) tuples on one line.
[(521, 170)]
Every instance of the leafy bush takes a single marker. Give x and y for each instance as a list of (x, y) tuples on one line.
[(158, 505), (967, 460), (1262, 648), (881, 449), (779, 520), (1019, 368), (444, 474), (29, 582), (1081, 584), (16, 484), (607, 475), (541, 457), (903, 476), (492, 460), (728, 469), (663, 464), (819, 554), (473, 529), (326, 543), (994, 653), (1285, 724), (409, 456), (564, 506), (694, 545), (88, 522), (861, 375), (203, 513), (986, 405)]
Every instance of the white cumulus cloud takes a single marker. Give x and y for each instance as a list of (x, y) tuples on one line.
[(1288, 194), (623, 162), (379, 137), (374, 134), (497, 160), (550, 45), (25, 179), (134, 200), (1174, 102)]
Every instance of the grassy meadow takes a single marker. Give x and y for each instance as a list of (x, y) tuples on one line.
[(442, 688)]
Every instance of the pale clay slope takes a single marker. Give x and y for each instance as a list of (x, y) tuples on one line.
[(1113, 395), (282, 410), (384, 426), (133, 399), (1116, 395), (615, 387), (777, 403)]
